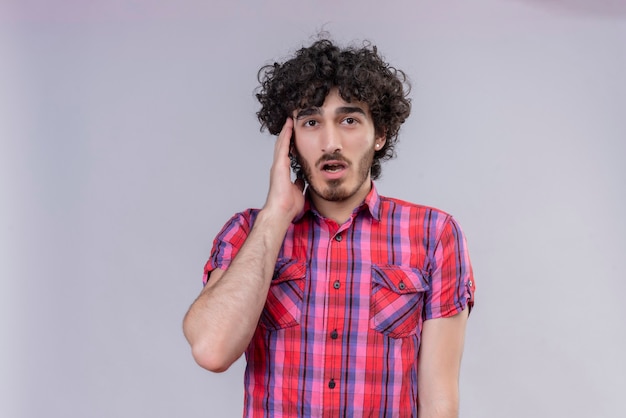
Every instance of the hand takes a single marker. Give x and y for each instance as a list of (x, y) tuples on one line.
[(284, 197)]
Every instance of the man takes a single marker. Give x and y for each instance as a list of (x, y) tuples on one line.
[(345, 303)]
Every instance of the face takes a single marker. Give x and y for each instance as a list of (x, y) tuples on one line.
[(335, 146)]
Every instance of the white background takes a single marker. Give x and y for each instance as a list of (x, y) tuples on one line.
[(128, 137)]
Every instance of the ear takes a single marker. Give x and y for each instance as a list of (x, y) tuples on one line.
[(379, 142)]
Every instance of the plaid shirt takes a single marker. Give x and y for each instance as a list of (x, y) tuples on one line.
[(340, 332)]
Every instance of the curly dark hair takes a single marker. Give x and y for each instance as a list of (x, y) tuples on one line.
[(359, 74)]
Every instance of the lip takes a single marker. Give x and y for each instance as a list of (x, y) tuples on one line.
[(343, 166)]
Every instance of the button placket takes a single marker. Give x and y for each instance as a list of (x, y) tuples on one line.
[(336, 255)]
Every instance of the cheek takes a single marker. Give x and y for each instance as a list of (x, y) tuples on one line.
[(303, 144)]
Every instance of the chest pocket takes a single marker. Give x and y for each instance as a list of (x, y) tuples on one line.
[(397, 299), (284, 299)]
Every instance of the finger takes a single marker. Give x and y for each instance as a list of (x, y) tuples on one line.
[(284, 138)]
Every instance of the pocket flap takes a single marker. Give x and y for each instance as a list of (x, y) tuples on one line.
[(288, 269), (400, 279)]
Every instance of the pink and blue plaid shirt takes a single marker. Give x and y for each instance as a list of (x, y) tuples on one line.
[(340, 332)]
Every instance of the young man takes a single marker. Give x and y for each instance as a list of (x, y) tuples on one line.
[(345, 303)]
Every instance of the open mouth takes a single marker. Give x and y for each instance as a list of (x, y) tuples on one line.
[(333, 167)]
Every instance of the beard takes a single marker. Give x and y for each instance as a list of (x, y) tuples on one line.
[(337, 190)]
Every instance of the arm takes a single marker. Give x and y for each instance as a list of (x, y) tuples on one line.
[(439, 366), (222, 320)]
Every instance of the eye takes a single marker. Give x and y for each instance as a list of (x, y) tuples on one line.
[(310, 122), (350, 121)]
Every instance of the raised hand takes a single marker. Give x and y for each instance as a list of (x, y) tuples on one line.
[(223, 319), (285, 197)]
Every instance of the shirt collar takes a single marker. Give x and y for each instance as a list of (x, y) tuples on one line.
[(371, 202)]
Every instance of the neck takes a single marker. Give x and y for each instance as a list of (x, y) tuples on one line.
[(340, 211)]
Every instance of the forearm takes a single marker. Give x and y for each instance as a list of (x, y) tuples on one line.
[(222, 320), (444, 406), (438, 383), (439, 366)]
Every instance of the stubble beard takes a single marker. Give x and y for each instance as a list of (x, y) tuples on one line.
[(334, 190)]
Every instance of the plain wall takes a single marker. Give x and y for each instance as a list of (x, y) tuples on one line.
[(128, 137)]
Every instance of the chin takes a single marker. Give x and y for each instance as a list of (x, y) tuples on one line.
[(335, 192)]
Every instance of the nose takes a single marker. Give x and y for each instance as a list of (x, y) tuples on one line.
[(331, 142)]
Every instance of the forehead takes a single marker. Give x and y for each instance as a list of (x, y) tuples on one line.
[(334, 102)]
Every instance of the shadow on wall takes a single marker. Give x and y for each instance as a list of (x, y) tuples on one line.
[(607, 8)]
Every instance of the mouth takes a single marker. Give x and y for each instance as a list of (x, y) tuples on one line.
[(333, 166)]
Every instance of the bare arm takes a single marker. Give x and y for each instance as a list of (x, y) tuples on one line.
[(222, 320), (439, 366)]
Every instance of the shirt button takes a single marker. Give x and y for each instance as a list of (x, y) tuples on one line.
[(402, 286), (338, 238), (470, 283), (336, 285), (331, 384), (334, 334)]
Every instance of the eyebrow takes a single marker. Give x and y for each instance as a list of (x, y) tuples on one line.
[(308, 112), (344, 110), (349, 109)]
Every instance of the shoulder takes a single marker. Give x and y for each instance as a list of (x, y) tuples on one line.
[(426, 219), (240, 221), (391, 204), (403, 203)]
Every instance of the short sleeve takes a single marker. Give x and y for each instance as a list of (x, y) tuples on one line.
[(228, 242), (452, 283)]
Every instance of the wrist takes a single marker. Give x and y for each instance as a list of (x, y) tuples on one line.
[(273, 219)]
